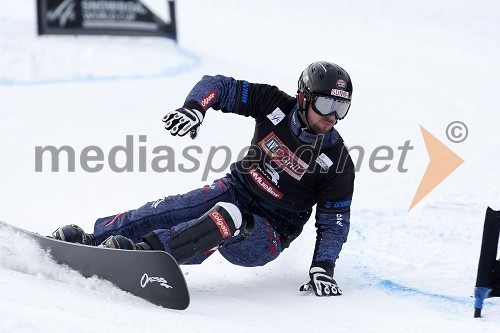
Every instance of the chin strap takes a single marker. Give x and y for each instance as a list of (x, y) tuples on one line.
[(302, 106), (301, 112)]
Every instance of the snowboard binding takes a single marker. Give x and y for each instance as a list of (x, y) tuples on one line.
[(74, 234)]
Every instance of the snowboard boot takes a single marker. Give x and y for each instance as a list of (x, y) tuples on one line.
[(123, 243), (74, 234)]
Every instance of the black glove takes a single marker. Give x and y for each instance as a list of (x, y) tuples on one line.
[(321, 283), (182, 121)]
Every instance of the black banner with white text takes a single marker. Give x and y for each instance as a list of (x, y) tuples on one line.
[(105, 17)]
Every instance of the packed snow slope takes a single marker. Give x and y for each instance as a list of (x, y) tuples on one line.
[(413, 63)]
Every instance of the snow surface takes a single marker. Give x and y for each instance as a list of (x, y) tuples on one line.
[(412, 62)]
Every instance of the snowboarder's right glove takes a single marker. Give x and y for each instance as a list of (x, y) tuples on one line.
[(183, 121), (321, 283)]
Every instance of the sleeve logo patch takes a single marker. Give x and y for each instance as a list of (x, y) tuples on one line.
[(207, 100)]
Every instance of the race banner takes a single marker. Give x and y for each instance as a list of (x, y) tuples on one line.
[(105, 17)]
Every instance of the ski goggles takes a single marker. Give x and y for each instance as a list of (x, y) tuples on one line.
[(328, 105)]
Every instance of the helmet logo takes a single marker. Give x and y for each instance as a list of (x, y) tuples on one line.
[(340, 93), (341, 84)]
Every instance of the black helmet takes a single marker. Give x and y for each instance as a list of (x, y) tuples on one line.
[(327, 87)]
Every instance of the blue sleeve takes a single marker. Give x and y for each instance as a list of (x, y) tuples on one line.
[(218, 92), (236, 96), (331, 233)]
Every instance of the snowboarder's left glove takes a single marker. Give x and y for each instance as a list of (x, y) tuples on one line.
[(321, 283), (183, 121)]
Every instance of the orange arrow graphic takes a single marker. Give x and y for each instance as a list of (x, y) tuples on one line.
[(442, 162)]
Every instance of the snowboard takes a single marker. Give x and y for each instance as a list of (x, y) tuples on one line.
[(152, 275)]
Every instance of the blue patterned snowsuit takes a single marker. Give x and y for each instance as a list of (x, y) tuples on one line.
[(294, 170)]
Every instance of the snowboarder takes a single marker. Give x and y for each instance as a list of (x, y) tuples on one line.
[(297, 160)]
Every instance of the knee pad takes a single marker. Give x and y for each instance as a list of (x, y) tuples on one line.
[(224, 220)]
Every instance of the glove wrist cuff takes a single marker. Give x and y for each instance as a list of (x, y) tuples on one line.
[(325, 265), (194, 106)]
